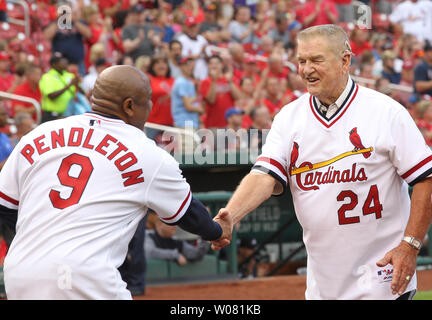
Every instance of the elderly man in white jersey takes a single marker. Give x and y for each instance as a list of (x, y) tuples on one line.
[(348, 154), (76, 189)]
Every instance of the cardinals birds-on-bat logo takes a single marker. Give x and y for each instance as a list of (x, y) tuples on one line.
[(294, 156), (356, 141)]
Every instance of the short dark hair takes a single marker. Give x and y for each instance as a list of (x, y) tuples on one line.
[(215, 56), (173, 42), (155, 59)]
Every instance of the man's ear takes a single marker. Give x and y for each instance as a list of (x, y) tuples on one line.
[(347, 60), (128, 107)]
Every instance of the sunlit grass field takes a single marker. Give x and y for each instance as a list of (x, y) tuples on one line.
[(423, 295)]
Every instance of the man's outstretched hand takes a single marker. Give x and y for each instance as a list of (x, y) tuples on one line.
[(225, 221)]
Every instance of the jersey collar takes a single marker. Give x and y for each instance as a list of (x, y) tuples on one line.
[(107, 118), (343, 103)]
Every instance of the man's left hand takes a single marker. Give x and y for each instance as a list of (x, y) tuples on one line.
[(404, 261)]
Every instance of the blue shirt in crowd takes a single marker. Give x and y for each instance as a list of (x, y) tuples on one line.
[(423, 72), (183, 88), (5, 146)]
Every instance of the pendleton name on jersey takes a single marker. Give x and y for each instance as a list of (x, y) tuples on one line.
[(76, 215), (349, 177)]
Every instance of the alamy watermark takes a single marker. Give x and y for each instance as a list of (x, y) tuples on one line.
[(363, 16), (217, 146)]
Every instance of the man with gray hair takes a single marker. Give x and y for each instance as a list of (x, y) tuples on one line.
[(348, 154)]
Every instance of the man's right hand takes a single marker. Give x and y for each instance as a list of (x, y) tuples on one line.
[(225, 221)]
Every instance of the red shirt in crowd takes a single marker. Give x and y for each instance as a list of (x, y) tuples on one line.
[(342, 1), (283, 75), (2, 5), (425, 127), (215, 113), (26, 90), (199, 17), (358, 49), (321, 18), (103, 4), (6, 82), (161, 98), (3, 251), (273, 106)]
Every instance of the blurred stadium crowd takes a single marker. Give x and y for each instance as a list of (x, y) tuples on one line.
[(215, 63)]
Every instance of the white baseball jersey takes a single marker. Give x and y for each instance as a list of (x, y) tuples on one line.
[(349, 177), (81, 185)]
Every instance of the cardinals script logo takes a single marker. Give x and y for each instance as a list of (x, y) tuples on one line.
[(312, 180)]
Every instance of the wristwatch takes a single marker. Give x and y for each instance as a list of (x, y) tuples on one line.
[(413, 242)]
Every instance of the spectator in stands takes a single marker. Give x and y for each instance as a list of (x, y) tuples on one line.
[(69, 40), (388, 63), (125, 60), (277, 68), (413, 17), (29, 88), (280, 31), (359, 42), (90, 79), (407, 78), (345, 10), (102, 33), (5, 143), (261, 120), (97, 51), (112, 7), (242, 28), (24, 123), (58, 87), (234, 118), (405, 46), (8, 80), (249, 99), (264, 17), (162, 27), (194, 45), (383, 85), (140, 37), (160, 244), (423, 72), (161, 84), (366, 71), (185, 106), (234, 121), (174, 56), (251, 69), (235, 58), (317, 12), (192, 8), (266, 49), (424, 122), (210, 28), (273, 96), (219, 93), (143, 63)]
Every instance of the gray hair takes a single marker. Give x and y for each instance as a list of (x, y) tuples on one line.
[(337, 38)]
